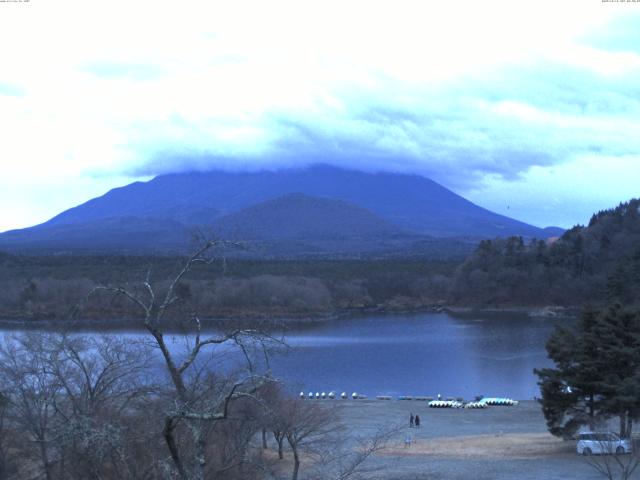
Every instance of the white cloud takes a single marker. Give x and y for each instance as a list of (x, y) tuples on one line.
[(568, 193), (466, 92)]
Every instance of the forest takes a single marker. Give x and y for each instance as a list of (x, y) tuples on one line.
[(50, 287), (588, 264)]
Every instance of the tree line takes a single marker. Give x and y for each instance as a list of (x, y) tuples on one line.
[(43, 288), (598, 263)]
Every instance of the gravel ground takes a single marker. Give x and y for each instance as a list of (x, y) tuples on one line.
[(492, 443)]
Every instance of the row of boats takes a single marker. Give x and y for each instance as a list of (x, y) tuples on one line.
[(482, 403), (332, 395), (450, 403)]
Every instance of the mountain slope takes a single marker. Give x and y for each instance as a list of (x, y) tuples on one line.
[(411, 202), (120, 234), (299, 216), (291, 226)]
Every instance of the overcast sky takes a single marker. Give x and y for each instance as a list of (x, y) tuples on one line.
[(528, 108)]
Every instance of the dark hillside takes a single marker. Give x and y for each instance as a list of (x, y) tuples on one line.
[(586, 265), (299, 216), (126, 235)]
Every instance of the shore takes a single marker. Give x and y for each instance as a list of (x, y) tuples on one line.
[(288, 319), (510, 443)]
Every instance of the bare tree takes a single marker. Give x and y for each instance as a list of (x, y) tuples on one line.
[(317, 438), (32, 393), (97, 408), (347, 458), (102, 381), (72, 396), (275, 416), (308, 425), (6, 464), (192, 407), (612, 463)]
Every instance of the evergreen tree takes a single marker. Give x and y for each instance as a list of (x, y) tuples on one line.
[(596, 374), (618, 334), (570, 395)]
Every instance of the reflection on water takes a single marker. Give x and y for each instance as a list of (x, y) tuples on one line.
[(422, 354)]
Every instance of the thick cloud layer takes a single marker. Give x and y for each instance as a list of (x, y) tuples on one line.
[(488, 98), (502, 123)]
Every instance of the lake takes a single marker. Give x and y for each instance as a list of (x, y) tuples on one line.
[(420, 354), (424, 354)]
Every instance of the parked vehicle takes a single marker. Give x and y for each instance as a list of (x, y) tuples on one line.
[(602, 443)]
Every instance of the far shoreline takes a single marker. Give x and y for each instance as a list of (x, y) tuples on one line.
[(288, 321)]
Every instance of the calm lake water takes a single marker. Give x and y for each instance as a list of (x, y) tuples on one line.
[(423, 354)]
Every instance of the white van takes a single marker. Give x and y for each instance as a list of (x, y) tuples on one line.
[(602, 443)]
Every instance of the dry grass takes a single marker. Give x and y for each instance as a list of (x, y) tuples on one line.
[(514, 445)]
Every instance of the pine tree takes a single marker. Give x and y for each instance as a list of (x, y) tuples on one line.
[(570, 392), (597, 372), (618, 332)]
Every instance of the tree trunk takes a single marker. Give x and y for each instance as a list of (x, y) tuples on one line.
[(173, 448), (623, 425), (176, 376), (280, 440), (296, 464), (201, 459), (45, 460), (264, 438)]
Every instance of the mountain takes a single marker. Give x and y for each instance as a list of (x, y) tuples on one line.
[(291, 226), (122, 234), (299, 216), (310, 204)]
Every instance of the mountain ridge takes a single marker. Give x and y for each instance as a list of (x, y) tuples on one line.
[(405, 204)]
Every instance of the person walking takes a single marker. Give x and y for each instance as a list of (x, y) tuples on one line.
[(411, 420), (417, 421)]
